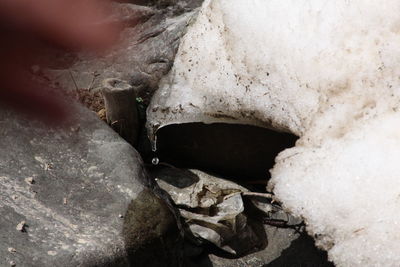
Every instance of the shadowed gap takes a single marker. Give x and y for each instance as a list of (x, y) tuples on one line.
[(232, 150)]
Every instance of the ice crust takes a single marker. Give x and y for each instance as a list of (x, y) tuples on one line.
[(348, 190), (327, 71)]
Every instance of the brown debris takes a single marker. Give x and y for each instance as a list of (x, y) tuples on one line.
[(92, 100), (102, 114)]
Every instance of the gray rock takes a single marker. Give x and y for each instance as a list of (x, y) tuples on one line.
[(152, 236), (213, 210), (275, 247), (144, 54), (158, 3), (72, 193), (284, 250)]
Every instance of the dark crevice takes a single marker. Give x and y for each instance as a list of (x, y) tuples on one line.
[(231, 150), (236, 152), (310, 256)]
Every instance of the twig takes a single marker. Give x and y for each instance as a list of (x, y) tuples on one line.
[(283, 224), (121, 113), (73, 79), (256, 194), (95, 74), (167, 165)]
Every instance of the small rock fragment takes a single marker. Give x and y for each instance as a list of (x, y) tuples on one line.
[(65, 201), (13, 264), (30, 180), (102, 114), (52, 253), (120, 216), (75, 129), (48, 166), (12, 250), (21, 226)]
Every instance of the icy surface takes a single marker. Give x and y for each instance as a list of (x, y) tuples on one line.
[(327, 71), (348, 189)]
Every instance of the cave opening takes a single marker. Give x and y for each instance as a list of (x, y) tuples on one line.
[(235, 151)]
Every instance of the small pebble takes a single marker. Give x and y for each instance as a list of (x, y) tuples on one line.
[(12, 250), (120, 216), (102, 114), (13, 264), (51, 252), (48, 166), (21, 226), (30, 180), (75, 129)]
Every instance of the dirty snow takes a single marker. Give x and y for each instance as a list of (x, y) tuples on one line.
[(327, 71)]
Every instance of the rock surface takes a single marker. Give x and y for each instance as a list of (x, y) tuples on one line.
[(286, 248), (144, 54), (214, 210), (71, 191), (152, 237), (274, 246)]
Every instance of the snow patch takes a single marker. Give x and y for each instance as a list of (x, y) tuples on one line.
[(327, 71)]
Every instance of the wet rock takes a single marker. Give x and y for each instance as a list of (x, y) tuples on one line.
[(213, 210), (273, 245), (153, 238), (85, 177), (285, 248)]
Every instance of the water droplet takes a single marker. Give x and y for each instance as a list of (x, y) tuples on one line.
[(155, 161), (153, 142), (153, 136)]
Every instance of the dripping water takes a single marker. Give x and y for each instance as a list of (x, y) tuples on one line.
[(155, 161), (153, 141)]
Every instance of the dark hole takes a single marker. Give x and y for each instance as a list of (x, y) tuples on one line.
[(232, 150)]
